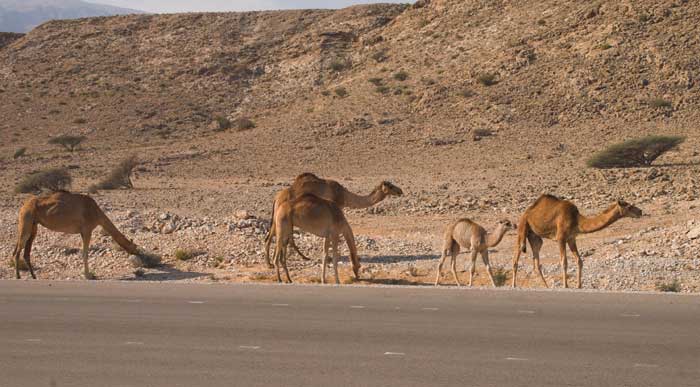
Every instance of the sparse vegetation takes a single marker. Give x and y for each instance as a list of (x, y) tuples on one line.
[(338, 66), (244, 123), (382, 89), (145, 260), (487, 79), (19, 153), (67, 141), (672, 287), (119, 177), (605, 46), (341, 92), (80, 121), (635, 153), (660, 103), (55, 179), (183, 255), (376, 81), (483, 132), (223, 123), (500, 276), (466, 93), (380, 56), (401, 76)]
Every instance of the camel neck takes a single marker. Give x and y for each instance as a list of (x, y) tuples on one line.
[(595, 223), (363, 201), (495, 237)]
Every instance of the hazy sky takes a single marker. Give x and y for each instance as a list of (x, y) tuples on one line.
[(234, 5)]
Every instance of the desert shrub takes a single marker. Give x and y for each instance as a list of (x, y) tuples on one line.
[(500, 276), (605, 46), (22, 264), (144, 259), (382, 89), (119, 177), (325, 93), (80, 121), (380, 56), (183, 255), (466, 93), (401, 76), (660, 103), (673, 287), (68, 141), (375, 81), (338, 66), (487, 79), (19, 153), (223, 123), (483, 132), (244, 123), (55, 179), (634, 153), (341, 92)]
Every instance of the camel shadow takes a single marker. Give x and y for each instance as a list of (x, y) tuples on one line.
[(400, 258), (167, 272), (394, 281)]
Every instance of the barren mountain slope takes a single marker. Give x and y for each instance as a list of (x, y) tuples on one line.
[(472, 107)]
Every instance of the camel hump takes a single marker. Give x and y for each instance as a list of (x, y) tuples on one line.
[(307, 175)]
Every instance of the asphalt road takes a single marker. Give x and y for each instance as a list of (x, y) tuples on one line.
[(144, 334)]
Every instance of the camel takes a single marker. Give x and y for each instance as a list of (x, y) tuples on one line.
[(557, 219), (466, 234), (67, 213), (331, 190), (319, 217)]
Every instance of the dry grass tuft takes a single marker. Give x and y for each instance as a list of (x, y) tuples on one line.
[(56, 179)]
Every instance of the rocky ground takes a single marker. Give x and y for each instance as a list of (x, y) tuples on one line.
[(473, 108)]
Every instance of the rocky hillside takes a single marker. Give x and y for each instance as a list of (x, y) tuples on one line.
[(23, 15), (8, 37)]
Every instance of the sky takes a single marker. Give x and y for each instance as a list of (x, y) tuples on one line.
[(234, 5)]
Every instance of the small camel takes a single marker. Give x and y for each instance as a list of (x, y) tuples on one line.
[(319, 217), (331, 190), (67, 213), (557, 219), (466, 234)]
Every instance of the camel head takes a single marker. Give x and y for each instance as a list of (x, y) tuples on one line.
[(506, 224), (627, 210), (389, 189)]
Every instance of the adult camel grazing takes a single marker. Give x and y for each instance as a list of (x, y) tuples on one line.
[(553, 218), (331, 190), (468, 235), (67, 213), (319, 217)]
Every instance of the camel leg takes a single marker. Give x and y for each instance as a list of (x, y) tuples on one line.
[(278, 253), (28, 251), (325, 260), (284, 263), (268, 242), (536, 244), (564, 263), (439, 267), (579, 261), (485, 259), (516, 257), (86, 235), (472, 269), (336, 255), (18, 250), (453, 255)]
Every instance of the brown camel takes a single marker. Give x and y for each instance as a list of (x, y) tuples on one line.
[(319, 217), (466, 234), (331, 190), (67, 213), (553, 218)]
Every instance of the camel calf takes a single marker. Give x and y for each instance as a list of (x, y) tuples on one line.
[(319, 217), (467, 235), (67, 213)]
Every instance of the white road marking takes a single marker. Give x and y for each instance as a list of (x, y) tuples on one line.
[(516, 358), (526, 311), (432, 309), (357, 307), (394, 353), (33, 340), (643, 365), (248, 347), (280, 304), (134, 343), (132, 301), (629, 315), (195, 302)]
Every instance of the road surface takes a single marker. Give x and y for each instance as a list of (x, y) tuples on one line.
[(160, 334)]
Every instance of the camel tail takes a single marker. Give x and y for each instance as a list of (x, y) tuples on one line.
[(350, 240), (118, 237)]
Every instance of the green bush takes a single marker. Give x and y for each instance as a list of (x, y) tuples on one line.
[(341, 92), (183, 255), (119, 177), (68, 141), (500, 276), (382, 89), (401, 76), (660, 103), (338, 66), (487, 79), (19, 153), (244, 123), (55, 179), (376, 81), (223, 123), (673, 287), (634, 153)]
